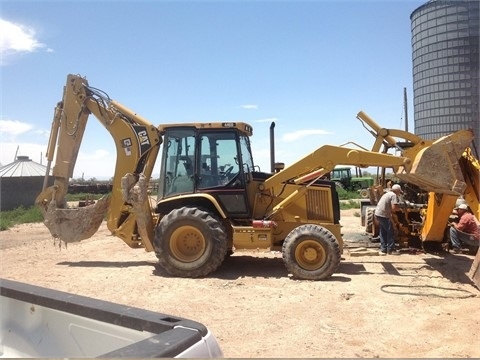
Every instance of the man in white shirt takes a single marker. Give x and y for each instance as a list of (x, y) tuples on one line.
[(388, 203)]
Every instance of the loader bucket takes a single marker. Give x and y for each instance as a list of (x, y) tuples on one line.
[(75, 224), (437, 168)]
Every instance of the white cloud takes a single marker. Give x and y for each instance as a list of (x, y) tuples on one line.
[(98, 154), (17, 39), (13, 128), (249, 107), (20, 138), (43, 133), (296, 135), (99, 164), (8, 151)]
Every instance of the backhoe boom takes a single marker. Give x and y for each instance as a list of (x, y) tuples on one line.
[(137, 143)]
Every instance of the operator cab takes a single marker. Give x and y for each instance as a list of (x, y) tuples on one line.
[(211, 158)]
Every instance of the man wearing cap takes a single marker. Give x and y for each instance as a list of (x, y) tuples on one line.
[(466, 231), (388, 203)]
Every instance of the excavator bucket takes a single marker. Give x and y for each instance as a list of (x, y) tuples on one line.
[(75, 224), (436, 167)]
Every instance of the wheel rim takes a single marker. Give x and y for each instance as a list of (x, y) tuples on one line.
[(310, 255), (187, 243)]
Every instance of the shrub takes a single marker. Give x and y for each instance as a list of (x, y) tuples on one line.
[(20, 215), (350, 204), (347, 195)]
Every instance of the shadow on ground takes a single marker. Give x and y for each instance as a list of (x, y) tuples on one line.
[(453, 267), (106, 264), (238, 266)]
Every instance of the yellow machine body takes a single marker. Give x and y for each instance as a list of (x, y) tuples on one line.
[(211, 197)]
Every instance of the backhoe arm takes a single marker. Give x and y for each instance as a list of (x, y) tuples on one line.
[(137, 144)]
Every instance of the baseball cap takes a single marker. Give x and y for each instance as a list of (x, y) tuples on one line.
[(462, 206), (397, 187)]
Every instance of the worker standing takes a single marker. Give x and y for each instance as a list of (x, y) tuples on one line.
[(466, 231), (388, 203)]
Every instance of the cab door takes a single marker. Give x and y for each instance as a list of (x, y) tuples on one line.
[(222, 173)]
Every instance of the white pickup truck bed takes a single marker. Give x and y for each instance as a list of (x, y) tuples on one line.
[(39, 322)]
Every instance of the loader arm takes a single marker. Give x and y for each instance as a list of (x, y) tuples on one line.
[(437, 166), (324, 160), (312, 167), (431, 165), (387, 137), (445, 167), (137, 144)]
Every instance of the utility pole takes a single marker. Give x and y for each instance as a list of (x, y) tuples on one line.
[(405, 107)]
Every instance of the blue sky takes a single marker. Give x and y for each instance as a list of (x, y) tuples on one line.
[(310, 66)]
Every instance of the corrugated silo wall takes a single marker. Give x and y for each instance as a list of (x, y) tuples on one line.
[(17, 191), (445, 45)]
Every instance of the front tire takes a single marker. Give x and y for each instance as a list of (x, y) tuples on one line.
[(311, 252), (190, 242)]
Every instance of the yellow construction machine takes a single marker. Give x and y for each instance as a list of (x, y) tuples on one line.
[(212, 198), (427, 207)]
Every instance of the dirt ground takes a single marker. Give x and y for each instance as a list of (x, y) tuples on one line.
[(408, 305)]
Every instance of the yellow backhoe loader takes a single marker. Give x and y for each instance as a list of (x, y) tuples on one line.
[(212, 198)]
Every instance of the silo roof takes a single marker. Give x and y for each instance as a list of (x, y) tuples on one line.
[(23, 167)]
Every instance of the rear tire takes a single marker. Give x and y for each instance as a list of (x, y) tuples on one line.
[(190, 242), (371, 224), (311, 252)]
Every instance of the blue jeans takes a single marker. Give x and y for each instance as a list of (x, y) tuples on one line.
[(458, 237), (387, 235)]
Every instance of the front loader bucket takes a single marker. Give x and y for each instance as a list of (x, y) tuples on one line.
[(437, 168), (75, 224)]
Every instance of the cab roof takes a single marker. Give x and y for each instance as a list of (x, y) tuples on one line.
[(240, 126)]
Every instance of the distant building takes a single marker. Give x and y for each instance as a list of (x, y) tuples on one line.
[(20, 183), (445, 53)]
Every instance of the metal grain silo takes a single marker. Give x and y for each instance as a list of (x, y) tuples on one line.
[(20, 183), (445, 46)]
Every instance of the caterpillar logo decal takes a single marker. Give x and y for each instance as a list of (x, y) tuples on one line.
[(142, 137), (141, 141), (127, 146)]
